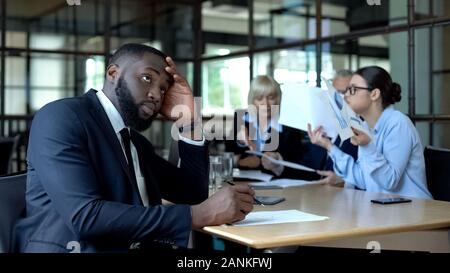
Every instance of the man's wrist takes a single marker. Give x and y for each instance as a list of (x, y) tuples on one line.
[(198, 217)]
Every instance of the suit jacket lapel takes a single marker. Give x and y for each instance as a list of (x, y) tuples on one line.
[(99, 115)]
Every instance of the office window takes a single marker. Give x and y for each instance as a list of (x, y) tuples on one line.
[(278, 22), (424, 9), (95, 73), (334, 18), (434, 133), (441, 131), (77, 36), (262, 63), (1, 29), (15, 96), (16, 39), (432, 70), (389, 51), (225, 85), (167, 26), (55, 25), (296, 65), (224, 26), (90, 29), (54, 30), (51, 78), (337, 56), (344, 16), (424, 132), (288, 65)]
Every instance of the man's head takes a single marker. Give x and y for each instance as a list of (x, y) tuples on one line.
[(342, 79), (135, 83)]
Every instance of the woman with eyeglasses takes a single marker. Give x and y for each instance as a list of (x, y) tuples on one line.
[(390, 160)]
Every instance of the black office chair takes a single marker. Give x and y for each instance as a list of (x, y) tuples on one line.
[(7, 146), (437, 163), (12, 205)]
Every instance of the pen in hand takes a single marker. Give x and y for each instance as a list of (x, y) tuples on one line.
[(254, 199)]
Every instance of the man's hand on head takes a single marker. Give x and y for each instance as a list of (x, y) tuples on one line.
[(178, 104)]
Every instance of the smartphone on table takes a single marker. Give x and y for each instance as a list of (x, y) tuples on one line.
[(388, 201), (269, 200)]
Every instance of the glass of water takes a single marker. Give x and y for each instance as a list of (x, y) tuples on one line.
[(215, 173), (227, 166)]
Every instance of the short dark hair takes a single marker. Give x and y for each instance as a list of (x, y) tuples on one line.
[(134, 51), (377, 77)]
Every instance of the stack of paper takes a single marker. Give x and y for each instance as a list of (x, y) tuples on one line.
[(283, 183), (251, 175), (277, 217)]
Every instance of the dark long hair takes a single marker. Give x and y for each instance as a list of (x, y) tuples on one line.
[(377, 77)]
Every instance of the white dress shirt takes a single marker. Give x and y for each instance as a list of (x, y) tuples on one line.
[(117, 123)]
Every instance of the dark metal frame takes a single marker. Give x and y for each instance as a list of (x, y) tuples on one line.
[(2, 63), (198, 45), (409, 27)]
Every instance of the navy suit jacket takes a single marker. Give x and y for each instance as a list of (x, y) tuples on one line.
[(79, 187)]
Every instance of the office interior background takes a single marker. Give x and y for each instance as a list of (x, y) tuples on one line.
[(52, 50)]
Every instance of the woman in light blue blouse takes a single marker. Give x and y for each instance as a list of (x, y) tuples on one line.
[(391, 159)]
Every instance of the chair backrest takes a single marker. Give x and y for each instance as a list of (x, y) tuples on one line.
[(437, 163), (12, 204), (6, 150)]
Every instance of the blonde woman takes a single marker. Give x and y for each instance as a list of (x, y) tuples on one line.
[(262, 132)]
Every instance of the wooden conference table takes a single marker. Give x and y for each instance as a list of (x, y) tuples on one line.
[(354, 222)]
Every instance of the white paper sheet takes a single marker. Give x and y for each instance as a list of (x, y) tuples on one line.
[(283, 183), (277, 217), (301, 104), (251, 175), (282, 162)]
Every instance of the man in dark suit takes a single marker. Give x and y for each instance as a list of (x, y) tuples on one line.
[(95, 184)]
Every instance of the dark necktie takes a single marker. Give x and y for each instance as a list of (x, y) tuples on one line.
[(126, 142)]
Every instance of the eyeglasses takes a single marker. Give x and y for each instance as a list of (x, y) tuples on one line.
[(352, 89)]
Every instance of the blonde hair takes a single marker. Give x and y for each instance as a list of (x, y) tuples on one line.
[(264, 85)]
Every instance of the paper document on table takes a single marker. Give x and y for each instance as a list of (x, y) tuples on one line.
[(301, 104), (277, 217), (283, 183), (251, 175), (282, 162)]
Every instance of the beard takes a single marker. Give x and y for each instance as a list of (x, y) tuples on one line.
[(128, 108)]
